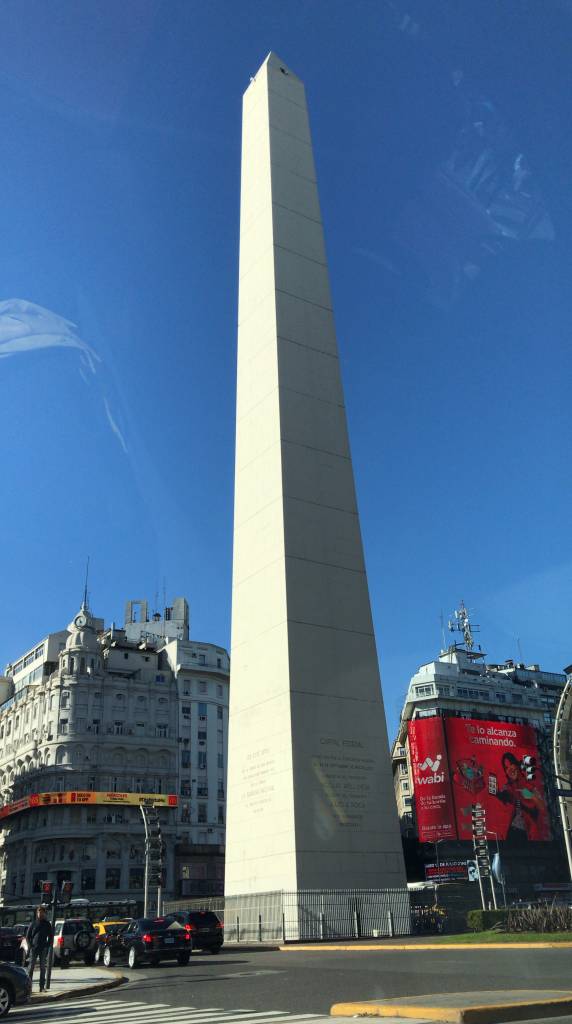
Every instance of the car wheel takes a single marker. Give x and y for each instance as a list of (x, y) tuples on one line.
[(82, 941), (132, 958), (107, 957), (5, 999), (97, 956), (184, 958)]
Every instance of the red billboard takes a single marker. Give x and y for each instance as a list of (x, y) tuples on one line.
[(489, 764), (431, 780)]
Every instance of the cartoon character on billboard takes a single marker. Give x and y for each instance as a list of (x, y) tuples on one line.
[(529, 817)]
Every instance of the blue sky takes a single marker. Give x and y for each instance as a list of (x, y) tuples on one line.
[(444, 167)]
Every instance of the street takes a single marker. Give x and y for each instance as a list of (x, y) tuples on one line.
[(261, 987)]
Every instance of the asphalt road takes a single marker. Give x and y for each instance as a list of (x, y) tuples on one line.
[(309, 982)]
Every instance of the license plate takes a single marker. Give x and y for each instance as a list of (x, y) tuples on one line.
[(169, 942)]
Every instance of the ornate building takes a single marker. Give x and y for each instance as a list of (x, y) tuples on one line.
[(90, 721)]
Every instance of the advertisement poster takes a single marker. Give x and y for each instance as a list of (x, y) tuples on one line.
[(431, 781), (487, 766), (88, 797), (447, 871)]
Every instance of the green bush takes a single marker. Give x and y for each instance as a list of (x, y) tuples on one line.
[(482, 920)]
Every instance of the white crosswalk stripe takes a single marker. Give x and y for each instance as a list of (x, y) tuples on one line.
[(123, 1011)]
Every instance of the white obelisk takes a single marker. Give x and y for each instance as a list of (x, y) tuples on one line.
[(310, 792)]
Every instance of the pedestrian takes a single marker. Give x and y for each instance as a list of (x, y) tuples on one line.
[(40, 937)]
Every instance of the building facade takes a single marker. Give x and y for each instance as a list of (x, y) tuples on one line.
[(93, 719), (502, 706)]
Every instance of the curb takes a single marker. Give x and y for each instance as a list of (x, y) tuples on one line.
[(492, 1013), (81, 990), (356, 948)]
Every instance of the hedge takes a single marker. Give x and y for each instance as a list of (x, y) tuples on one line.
[(482, 920)]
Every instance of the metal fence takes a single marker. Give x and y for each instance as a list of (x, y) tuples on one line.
[(308, 915)]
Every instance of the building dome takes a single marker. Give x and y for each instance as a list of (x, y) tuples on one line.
[(83, 635)]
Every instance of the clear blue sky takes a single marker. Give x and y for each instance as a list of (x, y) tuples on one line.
[(444, 162)]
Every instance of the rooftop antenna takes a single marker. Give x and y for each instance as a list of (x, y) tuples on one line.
[(85, 602), (442, 620), (462, 624), (519, 649)]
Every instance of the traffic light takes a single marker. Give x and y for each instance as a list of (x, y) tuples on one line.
[(47, 889), (478, 821), (157, 876), (66, 891), (528, 765)]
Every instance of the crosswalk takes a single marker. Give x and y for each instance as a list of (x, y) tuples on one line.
[(123, 1011)]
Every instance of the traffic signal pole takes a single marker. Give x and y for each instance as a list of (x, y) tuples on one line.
[(50, 962)]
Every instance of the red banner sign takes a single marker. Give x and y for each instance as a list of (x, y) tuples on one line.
[(431, 781), (487, 761)]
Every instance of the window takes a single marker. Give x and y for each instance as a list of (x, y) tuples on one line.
[(202, 735), (112, 878), (125, 654), (220, 814), (219, 760), (424, 691), (405, 787), (185, 787), (88, 879), (218, 663), (462, 691), (202, 711), (202, 790), (185, 758), (202, 686), (403, 769), (202, 816), (140, 728), (63, 727), (65, 701), (136, 878), (162, 700), (95, 723), (161, 730), (202, 659), (160, 678), (202, 760), (407, 802), (219, 712), (220, 791), (501, 698), (517, 698), (186, 710), (119, 728)]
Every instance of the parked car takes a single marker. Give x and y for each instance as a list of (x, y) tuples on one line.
[(103, 928), (147, 940), (15, 987), (11, 948), (205, 927), (74, 939)]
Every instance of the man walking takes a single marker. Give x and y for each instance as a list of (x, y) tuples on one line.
[(40, 937)]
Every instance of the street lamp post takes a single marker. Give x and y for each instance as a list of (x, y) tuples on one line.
[(490, 832), (561, 744)]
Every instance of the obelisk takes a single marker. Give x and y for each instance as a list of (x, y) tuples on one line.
[(310, 793)]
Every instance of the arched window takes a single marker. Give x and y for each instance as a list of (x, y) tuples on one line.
[(82, 665), (61, 755), (72, 663)]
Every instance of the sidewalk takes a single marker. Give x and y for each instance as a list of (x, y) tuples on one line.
[(77, 981)]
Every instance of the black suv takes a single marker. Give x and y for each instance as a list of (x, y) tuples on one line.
[(147, 940), (205, 927)]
